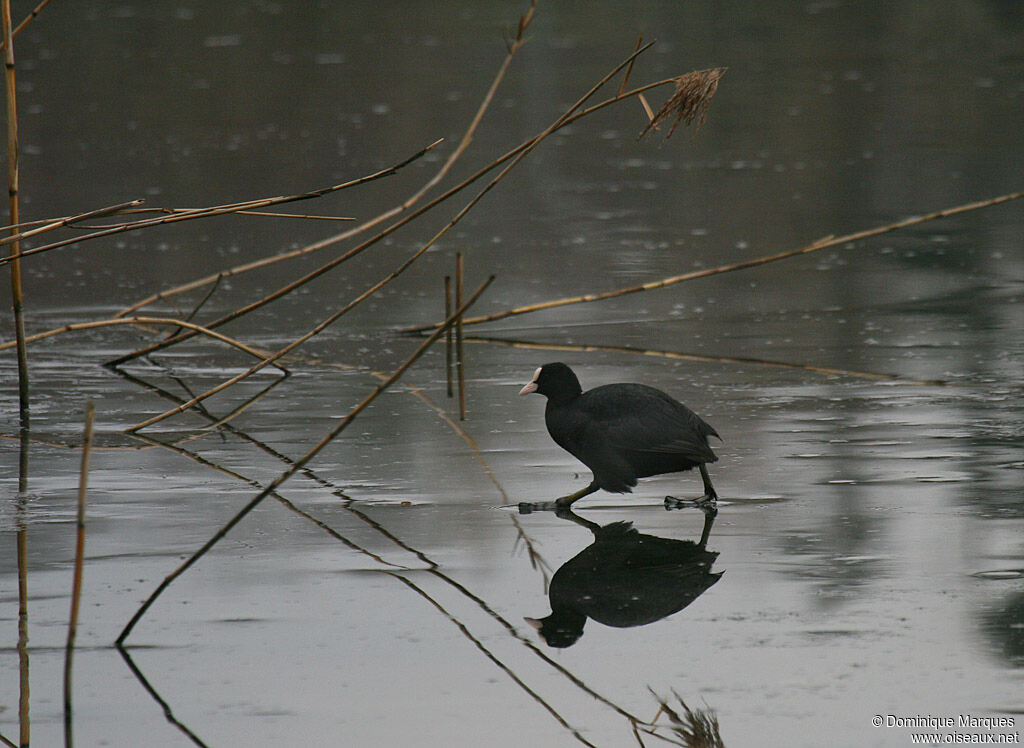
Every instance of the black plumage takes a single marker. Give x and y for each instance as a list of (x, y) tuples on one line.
[(622, 432)]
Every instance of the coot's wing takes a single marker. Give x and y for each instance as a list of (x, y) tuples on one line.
[(638, 418)]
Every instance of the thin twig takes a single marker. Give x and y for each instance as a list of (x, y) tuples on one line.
[(264, 213), (52, 224), (829, 241), (199, 329), (76, 585), (298, 465), (26, 22), (629, 69), (199, 305)]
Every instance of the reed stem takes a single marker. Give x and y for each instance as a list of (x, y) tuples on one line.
[(12, 193)]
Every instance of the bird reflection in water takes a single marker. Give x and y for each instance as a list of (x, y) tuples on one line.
[(624, 578)]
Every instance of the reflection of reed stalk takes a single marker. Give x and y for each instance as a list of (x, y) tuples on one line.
[(12, 192), (448, 335), (301, 462), (76, 586), (460, 365)]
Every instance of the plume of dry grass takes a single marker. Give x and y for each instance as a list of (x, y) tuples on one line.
[(689, 102)]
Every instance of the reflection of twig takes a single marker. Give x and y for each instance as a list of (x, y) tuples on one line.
[(681, 356), (76, 585), (281, 499), (168, 713), (829, 241), (694, 728), (273, 485), (222, 424), (490, 655)]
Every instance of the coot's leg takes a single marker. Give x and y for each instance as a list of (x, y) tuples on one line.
[(709, 519), (709, 490), (566, 501)]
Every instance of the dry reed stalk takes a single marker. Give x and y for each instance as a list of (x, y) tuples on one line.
[(300, 463), (28, 19), (17, 300), (464, 142), (199, 329), (219, 210), (460, 365), (76, 585), (823, 243), (51, 224), (690, 101), (448, 335), (176, 211)]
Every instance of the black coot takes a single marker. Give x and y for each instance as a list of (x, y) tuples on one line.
[(622, 431)]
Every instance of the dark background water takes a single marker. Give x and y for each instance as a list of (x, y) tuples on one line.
[(870, 527)]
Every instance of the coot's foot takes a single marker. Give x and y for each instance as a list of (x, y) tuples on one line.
[(708, 504)]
